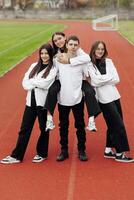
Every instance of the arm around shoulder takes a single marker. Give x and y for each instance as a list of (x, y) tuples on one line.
[(81, 58)]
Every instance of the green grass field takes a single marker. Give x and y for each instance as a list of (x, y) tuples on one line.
[(126, 28), (20, 39)]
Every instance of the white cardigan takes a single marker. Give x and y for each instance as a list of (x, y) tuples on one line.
[(39, 84), (106, 90)]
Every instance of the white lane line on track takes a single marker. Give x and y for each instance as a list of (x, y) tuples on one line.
[(72, 177)]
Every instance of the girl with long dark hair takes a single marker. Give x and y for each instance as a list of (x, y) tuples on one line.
[(36, 82), (104, 78)]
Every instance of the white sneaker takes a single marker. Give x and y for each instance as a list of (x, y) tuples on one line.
[(91, 126), (38, 159), (9, 160), (50, 124)]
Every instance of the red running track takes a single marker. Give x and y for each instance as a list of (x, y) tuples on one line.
[(97, 179)]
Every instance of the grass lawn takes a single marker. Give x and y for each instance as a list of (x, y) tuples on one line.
[(126, 28), (20, 39)]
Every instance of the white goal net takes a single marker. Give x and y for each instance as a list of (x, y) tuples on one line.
[(106, 23)]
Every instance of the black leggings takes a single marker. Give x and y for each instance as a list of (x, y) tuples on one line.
[(93, 108)]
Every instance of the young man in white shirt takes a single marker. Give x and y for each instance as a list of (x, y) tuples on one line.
[(93, 109), (70, 97)]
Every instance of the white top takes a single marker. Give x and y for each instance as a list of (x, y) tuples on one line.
[(39, 84), (71, 82), (80, 59), (105, 83)]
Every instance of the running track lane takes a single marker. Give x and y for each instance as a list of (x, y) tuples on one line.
[(97, 179)]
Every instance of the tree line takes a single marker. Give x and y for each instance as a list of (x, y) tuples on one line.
[(23, 4)]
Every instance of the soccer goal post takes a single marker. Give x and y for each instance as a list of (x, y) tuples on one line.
[(106, 23)]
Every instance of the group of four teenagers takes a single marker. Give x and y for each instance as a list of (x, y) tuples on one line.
[(72, 66)]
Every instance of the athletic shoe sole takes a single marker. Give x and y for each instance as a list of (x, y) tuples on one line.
[(113, 157), (38, 161), (125, 161)]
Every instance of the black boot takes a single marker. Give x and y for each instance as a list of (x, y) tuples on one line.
[(62, 156), (82, 156)]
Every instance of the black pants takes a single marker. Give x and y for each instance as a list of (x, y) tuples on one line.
[(116, 133), (28, 121), (78, 113), (92, 105), (51, 99), (89, 96)]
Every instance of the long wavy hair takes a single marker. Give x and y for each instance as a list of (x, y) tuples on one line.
[(54, 45), (93, 49), (37, 68)]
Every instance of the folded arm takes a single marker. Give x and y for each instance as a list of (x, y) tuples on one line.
[(44, 83), (26, 83), (97, 79)]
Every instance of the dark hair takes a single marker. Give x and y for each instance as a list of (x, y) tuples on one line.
[(54, 45), (37, 68), (73, 37), (93, 49)]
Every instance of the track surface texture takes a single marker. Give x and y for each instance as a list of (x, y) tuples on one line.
[(97, 179)]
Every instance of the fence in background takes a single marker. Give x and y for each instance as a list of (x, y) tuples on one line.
[(91, 13)]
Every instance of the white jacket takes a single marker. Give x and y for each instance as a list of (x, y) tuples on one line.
[(39, 84), (106, 90)]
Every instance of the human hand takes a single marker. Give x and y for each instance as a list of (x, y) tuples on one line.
[(63, 58), (88, 79)]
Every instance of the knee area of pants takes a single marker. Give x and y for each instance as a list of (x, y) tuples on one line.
[(80, 126), (63, 127), (53, 91), (55, 88), (90, 91)]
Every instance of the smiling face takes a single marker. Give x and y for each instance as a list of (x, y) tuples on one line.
[(100, 50), (59, 40), (44, 56)]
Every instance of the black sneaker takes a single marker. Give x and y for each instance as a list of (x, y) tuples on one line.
[(124, 158), (111, 154), (82, 156), (62, 156)]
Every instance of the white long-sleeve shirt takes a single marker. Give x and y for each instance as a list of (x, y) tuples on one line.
[(106, 90), (71, 81), (39, 84), (80, 59)]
